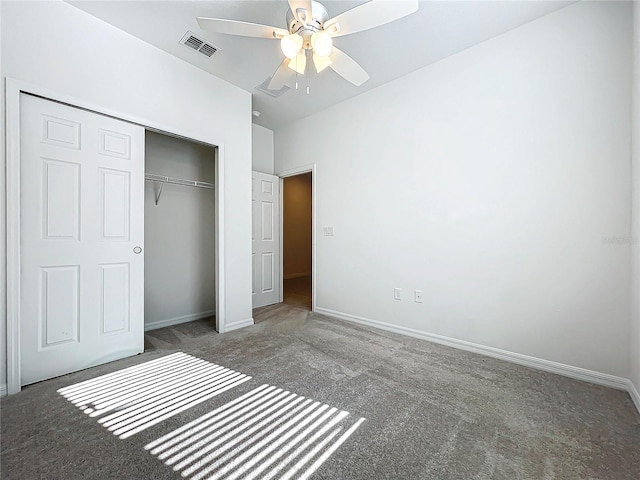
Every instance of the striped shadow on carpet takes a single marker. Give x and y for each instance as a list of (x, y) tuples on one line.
[(266, 433), (131, 400)]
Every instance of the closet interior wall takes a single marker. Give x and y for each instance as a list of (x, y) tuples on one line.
[(179, 233)]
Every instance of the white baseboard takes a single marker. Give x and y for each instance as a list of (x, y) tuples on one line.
[(3, 390), (635, 395), (178, 320), (247, 322), (576, 373), (296, 275)]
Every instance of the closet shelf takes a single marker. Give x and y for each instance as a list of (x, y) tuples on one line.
[(176, 181)]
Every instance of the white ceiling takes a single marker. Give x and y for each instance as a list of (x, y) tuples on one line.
[(437, 30)]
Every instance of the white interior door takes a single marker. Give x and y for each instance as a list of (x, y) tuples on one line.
[(82, 234), (266, 239)]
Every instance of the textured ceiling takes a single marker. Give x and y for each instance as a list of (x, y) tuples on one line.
[(439, 29)]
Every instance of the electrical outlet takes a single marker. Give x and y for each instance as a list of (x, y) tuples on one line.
[(397, 294), (418, 296)]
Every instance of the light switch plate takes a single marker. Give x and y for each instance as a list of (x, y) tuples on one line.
[(328, 231)]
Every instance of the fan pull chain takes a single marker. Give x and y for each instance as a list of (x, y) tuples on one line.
[(308, 86), (296, 70)]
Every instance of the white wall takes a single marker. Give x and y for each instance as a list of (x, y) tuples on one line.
[(262, 149), (635, 279), (488, 180), (296, 225), (179, 233), (3, 234), (59, 47)]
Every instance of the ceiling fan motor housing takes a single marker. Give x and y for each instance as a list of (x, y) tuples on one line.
[(312, 25)]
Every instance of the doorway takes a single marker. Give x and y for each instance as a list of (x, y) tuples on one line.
[(297, 240)]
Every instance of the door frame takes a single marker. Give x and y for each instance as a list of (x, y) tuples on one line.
[(13, 89), (291, 173)]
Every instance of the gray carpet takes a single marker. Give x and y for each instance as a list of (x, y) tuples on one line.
[(431, 412)]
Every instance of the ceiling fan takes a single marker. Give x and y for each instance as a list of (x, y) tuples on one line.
[(310, 33)]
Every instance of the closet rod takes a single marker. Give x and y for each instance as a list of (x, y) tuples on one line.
[(177, 181)]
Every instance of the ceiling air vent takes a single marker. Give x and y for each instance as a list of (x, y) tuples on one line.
[(208, 50), (263, 87), (191, 41)]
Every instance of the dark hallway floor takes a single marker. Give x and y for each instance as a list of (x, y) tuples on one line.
[(297, 291)]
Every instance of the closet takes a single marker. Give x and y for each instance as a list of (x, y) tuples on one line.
[(179, 232), (116, 234)]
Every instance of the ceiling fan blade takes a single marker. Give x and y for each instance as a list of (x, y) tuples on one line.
[(299, 62), (282, 75), (302, 10), (242, 29), (347, 67), (321, 62), (369, 15)]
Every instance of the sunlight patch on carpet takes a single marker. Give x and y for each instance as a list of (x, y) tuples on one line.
[(131, 400), (266, 433)]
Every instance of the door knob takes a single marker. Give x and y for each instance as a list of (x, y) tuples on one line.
[(137, 250)]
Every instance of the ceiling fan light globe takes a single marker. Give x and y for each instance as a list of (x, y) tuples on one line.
[(321, 43), (291, 45)]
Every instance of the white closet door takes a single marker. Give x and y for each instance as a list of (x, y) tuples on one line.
[(82, 234), (266, 239)]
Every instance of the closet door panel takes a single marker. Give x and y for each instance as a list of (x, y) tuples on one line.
[(60, 305), (60, 132), (114, 297), (115, 204), (61, 196), (115, 144), (82, 215)]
